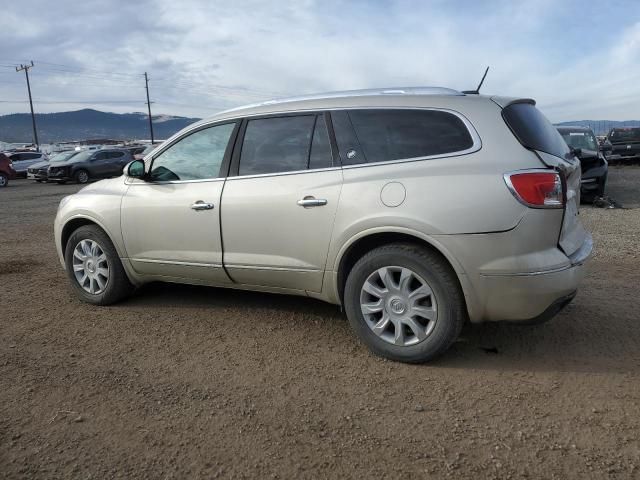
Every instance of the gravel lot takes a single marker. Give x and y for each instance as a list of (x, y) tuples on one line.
[(193, 382)]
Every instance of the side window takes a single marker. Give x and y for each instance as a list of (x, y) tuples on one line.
[(387, 134), (116, 154), (101, 156), (16, 157), (350, 151), (398, 134), (195, 157), (275, 145), (320, 156)]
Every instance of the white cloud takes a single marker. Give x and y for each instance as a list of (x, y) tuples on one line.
[(204, 56)]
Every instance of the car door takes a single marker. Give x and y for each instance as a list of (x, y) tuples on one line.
[(171, 221), (116, 162), (279, 202), (99, 164), (19, 162)]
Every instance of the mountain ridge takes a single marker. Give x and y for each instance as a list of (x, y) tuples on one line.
[(88, 123)]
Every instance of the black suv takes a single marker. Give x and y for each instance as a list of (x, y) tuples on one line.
[(625, 143), (594, 165), (89, 165)]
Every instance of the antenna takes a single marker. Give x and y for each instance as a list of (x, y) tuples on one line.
[(477, 90)]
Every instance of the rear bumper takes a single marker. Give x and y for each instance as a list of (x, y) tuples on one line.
[(533, 297)]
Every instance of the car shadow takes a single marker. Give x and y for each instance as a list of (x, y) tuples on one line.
[(582, 338)]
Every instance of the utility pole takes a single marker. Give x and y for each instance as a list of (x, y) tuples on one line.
[(146, 82), (33, 117)]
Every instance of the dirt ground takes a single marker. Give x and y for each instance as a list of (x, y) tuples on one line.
[(188, 382)]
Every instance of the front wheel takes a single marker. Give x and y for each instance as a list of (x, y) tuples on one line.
[(4, 180), (82, 176), (94, 267), (404, 302)]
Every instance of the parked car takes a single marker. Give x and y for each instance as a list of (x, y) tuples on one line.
[(625, 143), (135, 150), (594, 165), (89, 165), (148, 149), (415, 209), (6, 170), (38, 171), (23, 160)]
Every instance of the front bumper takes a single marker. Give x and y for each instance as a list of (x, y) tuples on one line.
[(58, 175)]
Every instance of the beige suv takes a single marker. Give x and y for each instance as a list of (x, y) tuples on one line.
[(415, 209)]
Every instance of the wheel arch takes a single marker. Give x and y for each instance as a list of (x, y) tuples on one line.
[(368, 240), (74, 223)]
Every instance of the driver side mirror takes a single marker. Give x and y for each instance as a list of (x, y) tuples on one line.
[(135, 169)]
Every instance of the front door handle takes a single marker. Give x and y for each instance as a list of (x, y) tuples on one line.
[(200, 205), (309, 201)]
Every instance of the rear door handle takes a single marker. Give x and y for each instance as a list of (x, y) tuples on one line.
[(309, 201), (200, 205)]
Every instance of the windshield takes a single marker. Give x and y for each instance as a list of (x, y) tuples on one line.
[(79, 156), (580, 139), (62, 156), (624, 135)]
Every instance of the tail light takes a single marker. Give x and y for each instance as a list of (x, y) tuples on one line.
[(537, 188)]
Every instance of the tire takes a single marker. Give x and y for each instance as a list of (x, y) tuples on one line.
[(116, 286), (39, 181), (601, 186), (446, 298), (4, 180), (81, 176)]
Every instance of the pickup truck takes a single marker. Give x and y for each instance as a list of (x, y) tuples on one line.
[(625, 143)]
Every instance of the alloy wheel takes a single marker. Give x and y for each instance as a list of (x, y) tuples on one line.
[(90, 266), (398, 305)]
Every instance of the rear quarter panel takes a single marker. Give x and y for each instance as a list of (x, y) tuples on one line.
[(463, 194)]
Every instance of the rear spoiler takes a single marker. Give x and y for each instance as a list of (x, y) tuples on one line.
[(504, 102)]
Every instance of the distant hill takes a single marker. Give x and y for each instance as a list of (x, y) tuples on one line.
[(601, 127), (88, 123)]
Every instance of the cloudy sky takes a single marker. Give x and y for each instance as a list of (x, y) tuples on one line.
[(579, 58)]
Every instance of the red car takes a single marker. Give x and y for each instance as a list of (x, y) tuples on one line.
[(6, 170)]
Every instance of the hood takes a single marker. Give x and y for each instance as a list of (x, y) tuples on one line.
[(63, 163), (44, 163), (108, 186)]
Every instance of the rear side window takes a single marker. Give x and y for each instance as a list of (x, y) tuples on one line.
[(388, 134), (276, 145), (624, 135), (533, 130)]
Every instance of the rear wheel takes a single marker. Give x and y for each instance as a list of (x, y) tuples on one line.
[(404, 302), (82, 176), (4, 180), (94, 267)]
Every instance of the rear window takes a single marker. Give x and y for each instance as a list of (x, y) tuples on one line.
[(619, 135), (388, 134), (533, 130)]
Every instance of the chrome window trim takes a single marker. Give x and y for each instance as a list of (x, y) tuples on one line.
[(280, 174), (135, 181), (476, 145), (475, 137)]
